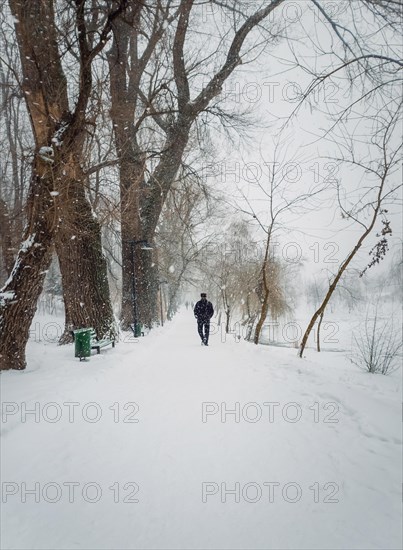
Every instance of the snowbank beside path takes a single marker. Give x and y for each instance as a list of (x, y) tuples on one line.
[(163, 443)]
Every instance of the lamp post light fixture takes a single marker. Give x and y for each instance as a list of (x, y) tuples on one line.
[(144, 246)]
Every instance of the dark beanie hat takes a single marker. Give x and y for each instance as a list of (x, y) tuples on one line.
[(203, 295)]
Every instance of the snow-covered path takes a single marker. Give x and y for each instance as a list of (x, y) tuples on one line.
[(309, 457)]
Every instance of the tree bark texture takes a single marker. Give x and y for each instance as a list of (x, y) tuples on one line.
[(56, 185), (19, 296), (83, 265), (44, 87)]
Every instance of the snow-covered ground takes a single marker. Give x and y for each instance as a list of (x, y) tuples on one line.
[(162, 443)]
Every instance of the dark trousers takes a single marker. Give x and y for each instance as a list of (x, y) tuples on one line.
[(203, 324)]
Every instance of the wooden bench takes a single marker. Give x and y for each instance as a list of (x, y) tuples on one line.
[(98, 344), (95, 343)]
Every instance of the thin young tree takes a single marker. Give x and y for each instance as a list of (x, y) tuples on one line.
[(375, 197), (282, 199)]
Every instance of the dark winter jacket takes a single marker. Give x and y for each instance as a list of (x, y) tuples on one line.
[(203, 310)]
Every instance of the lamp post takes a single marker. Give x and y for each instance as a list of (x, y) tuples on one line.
[(145, 246)]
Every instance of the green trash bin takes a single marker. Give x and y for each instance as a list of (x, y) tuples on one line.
[(138, 330), (82, 340)]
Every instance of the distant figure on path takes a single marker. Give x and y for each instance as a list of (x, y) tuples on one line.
[(203, 311)]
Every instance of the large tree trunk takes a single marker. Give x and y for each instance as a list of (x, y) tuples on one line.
[(83, 267), (151, 204), (172, 301), (137, 265), (18, 298), (148, 279), (46, 98), (58, 136), (131, 171)]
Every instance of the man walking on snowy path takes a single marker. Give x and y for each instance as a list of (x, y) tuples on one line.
[(203, 311)]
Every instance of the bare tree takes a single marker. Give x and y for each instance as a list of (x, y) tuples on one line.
[(160, 89), (158, 94), (371, 205), (14, 157), (281, 196), (57, 194), (182, 236)]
